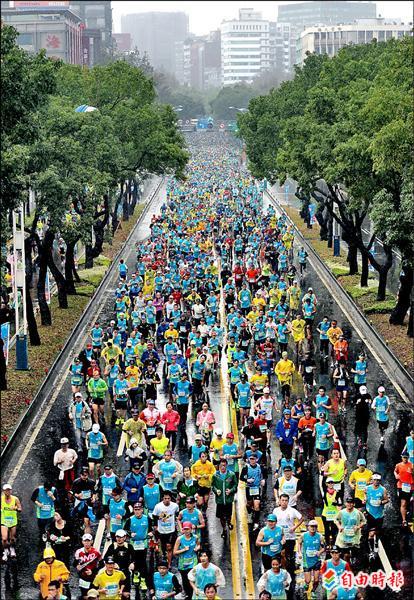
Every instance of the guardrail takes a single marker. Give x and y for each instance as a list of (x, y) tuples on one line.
[(41, 396), (398, 374)]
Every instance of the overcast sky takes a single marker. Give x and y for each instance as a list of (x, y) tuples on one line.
[(207, 15)]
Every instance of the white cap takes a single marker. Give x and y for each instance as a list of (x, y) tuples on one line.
[(363, 389), (7, 486), (313, 522), (87, 536), (381, 389), (218, 431), (95, 428), (78, 395), (64, 440), (376, 476), (266, 390), (120, 533)]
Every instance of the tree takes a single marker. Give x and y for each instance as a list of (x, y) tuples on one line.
[(26, 83), (237, 96), (324, 127)]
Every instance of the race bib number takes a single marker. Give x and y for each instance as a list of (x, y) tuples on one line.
[(406, 487), (254, 491)]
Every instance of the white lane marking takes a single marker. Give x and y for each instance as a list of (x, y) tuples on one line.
[(382, 364), (53, 397)]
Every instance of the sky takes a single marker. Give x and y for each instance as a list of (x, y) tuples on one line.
[(206, 16)]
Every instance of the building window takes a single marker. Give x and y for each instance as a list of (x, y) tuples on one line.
[(25, 39), (369, 36), (361, 37), (381, 36)]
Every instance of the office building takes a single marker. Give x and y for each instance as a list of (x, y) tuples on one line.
[(282, 42), (96, 17), (54, 28), (198, 61), (329, 40), (156, 33), (122, 42), (245, 47), (304, 14)]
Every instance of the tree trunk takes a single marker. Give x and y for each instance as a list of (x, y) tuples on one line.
[(125, 207), (323, 225), (31, 319), (60, 282), (404, 296), (410, 328), (44, 249), (352, 258), (70, 268), (89, 256), (365, 270), (330, 231), (383, 273)]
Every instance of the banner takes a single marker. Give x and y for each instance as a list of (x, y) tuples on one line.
[(312, 212), (47, 287), (5, 336), (41, 4)]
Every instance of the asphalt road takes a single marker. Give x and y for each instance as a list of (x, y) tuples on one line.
[(37, 454)]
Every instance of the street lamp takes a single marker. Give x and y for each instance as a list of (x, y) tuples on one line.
[(239, 109)]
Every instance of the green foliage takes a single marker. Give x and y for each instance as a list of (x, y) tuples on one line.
[(237, 95)]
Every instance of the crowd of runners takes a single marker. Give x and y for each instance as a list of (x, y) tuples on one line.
[(220, 298)]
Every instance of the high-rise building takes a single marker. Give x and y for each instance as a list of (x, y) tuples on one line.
[(304, 14), (282, 40), (329, 40), (198, 60), (54, 28), (122, 42), (96, 16), (245, 47), (156, 33)]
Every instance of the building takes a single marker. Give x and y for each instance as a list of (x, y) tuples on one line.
[(96, 16), (212, 60), (122, 42), (245, 48), (282, 41), (156, 33), (329, 40), (54, 28), (304, 14), (198, 61)]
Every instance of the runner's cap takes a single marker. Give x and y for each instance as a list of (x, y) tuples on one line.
[(78, 395), (84, 470), (95, 428), (87, 536), (287, 468), (198, 436), (266, 390), (349, 499), (330, 480), (230, 435), (150, 476), (151, 401), (404, 453), (381, 389), (377, 476), (272, 518), (92, 594), (313, 523), (187, 525), (335, 549), (286, 411), (120, 533), (361, 461), (109, 560), (190, 499), (64, 440), (7, 486), (363, 389), (263, 412), (218, 431)]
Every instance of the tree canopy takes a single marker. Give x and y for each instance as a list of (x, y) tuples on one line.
[(347, 122)]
